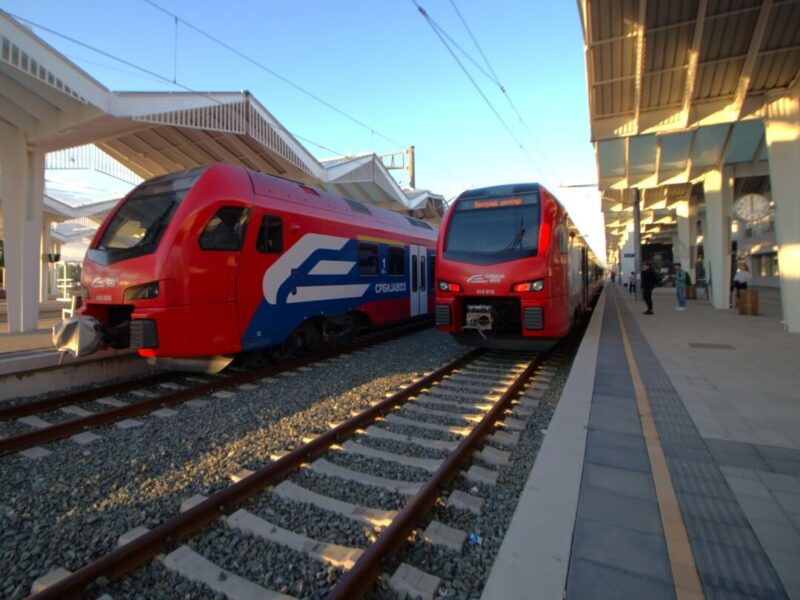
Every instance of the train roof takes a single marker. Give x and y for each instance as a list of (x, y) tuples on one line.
[(508, 189), (296, 191)]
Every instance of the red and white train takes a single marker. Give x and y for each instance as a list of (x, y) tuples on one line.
[(512, 271), (197, 266)]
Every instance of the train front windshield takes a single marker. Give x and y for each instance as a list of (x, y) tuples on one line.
[(484, 230), (137, 227)]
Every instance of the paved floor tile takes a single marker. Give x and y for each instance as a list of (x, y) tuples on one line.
[(782, 537), (610, 420), (787, 467), (639, 553), (588, 579), (742, 461), (619, 510), (767, 509), (749, 487), (621, 481), (615, 439), (789, 502), (615, 457), (779, 482), (778, 452)]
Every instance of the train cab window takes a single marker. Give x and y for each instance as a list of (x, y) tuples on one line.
[(226, 229), (397, 261), (270, 235), (367, 259)]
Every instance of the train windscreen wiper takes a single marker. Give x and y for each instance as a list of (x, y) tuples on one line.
[(517, 241)]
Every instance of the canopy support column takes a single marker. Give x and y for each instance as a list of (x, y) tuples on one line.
[(783, 149), (22, 194), (718, 187)]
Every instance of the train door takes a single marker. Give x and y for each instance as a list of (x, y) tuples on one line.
[(263, 247), (418, 260)]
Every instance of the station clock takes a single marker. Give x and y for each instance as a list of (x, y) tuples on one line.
[(751, 207)]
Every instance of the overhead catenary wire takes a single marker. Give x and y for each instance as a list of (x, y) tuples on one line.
[(372, 130), (275, 74), (173, 81), (520, 145), (504, 91)]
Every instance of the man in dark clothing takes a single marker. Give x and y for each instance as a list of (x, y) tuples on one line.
[(648, 283)]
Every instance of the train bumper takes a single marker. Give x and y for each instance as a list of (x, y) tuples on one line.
[(79, 336), (186, 331), (503, 317)]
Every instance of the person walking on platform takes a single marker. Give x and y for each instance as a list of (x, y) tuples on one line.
[(681, 281), (740, 281), (632, 283), (648, 283)]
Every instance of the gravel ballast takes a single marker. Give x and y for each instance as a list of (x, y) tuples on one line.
[(68, 508)]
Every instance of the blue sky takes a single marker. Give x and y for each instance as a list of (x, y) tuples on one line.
[(380, 62)]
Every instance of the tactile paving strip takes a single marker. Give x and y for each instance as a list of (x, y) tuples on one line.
[(729, 558)]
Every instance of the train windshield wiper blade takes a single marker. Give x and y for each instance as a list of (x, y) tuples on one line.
[(517, 241)]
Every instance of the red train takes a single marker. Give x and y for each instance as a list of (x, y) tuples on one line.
[(194, 267), (512, 271)]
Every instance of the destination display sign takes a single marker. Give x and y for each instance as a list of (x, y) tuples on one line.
[(484, 203)]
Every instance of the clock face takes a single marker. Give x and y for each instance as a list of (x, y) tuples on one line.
[(751, 207)]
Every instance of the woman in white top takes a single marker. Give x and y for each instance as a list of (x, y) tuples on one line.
[(740, 281), (742, 278)]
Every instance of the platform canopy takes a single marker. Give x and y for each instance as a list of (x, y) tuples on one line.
[(47, 104), (677, 88)]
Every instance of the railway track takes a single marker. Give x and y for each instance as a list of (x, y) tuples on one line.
[(384, 469), (149, 396)]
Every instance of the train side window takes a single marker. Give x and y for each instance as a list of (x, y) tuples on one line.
[(422, 280), (563, 239), (414, 274), (270, 235), (367, 259), (226, 229), (397, 261), (432, 273)]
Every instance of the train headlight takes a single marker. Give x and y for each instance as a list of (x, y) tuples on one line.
[(529, 286), (146, 291), (446, 286)]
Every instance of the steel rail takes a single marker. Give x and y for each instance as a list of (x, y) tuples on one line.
[(40, 406), (360, 578), (125, 558), (59, 431)]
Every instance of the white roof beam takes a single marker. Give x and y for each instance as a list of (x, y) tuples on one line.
[(18, 117), (750, 62), (190, 152), (134, 159), (263, 159), (49, 67), (694, 57), (36, 105), (208, 141), (167, 164)]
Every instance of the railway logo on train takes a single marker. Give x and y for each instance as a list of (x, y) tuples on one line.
[(512, 271), (198, 266)]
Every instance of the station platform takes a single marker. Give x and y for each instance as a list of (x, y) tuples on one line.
[(40, 339), (30, 365), (671, 467)]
